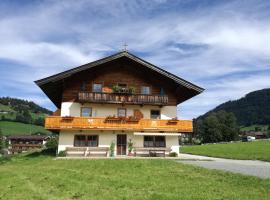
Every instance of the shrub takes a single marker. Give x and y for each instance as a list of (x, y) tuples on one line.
[(52, 143), (173, 154), (62, 154), (112, 147), (196, 141), (51, 146)]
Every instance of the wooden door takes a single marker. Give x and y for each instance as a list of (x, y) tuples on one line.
[(121, 144)]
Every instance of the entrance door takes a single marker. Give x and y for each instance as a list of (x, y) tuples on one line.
[(121, 144)]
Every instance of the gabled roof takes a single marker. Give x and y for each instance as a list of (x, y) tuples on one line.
[(29, 137), (47, 82)]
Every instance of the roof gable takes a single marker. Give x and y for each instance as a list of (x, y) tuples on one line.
[(49, 84)]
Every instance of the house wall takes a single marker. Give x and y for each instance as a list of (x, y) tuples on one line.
[(66, 139), (103, 110)]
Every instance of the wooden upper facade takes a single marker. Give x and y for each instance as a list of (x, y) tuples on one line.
[(124, 70), (118, 79)]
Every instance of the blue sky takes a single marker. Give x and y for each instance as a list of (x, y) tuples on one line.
[(223, 46)]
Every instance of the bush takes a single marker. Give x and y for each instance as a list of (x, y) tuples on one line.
[(52, 143), (112, 147), (51, 146), (62, 154), (173, 154), (196, 141)]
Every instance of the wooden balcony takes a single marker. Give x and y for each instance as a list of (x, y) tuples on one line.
[(122, 98), (90, 123)]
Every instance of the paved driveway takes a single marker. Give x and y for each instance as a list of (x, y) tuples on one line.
[(248, 167)]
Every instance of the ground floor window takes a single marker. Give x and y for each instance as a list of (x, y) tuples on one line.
[(154, 141), (86, 140)]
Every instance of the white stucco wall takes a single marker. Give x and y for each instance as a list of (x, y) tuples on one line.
[(103, 110), (66, 139)]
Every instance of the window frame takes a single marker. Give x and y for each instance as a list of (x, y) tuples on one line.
[(159, 117), (86, 140), (145, 86), (154, 141), (93, 87), (91, 114), (121, 109)]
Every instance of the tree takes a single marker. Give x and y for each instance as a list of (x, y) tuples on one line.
[(39, 121), (216, 127), (24, 117)]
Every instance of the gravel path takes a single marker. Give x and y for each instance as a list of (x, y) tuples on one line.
[(248, 167)]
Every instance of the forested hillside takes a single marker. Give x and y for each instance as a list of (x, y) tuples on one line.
[(223, 123), (18, 116), (252, 109)]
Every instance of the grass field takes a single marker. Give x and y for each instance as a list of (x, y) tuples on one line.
[(257, 150), (45, 178), (16, 128), (253, 128)]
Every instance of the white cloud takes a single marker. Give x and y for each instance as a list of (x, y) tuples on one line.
[(57, 35)]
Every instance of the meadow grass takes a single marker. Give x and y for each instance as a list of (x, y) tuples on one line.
[(42, 177), (17, 128), (257, 150)]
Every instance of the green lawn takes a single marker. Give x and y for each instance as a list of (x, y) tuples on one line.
[(16, 128), (44, 178), (257, 150), (253, 127), (5, 108)]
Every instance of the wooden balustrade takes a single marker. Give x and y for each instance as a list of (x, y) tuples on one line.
[(123, 98), (90, 123)]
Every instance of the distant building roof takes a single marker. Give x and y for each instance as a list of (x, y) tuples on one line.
[(29, 137)]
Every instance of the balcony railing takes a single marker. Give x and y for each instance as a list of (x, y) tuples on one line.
[(90, 123), (123, 98)]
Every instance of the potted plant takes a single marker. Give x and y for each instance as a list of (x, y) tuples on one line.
[(116, 89), (132, 89), (130, 147), (112, 147)]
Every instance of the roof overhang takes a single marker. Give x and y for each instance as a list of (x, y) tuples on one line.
[(53, 85)]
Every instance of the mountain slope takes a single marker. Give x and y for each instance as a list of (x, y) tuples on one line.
[(19, 116), (252, 109)]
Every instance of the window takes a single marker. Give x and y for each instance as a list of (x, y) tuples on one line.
[(162, 91), (85, 141), (154, 141), (83, 86), (92, 140), (155, 114), (145, 90), (86, 112), (122, 85), (97, 87), (122, 112), (79, 140)]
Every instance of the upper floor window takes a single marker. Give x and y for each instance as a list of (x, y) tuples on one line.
[(155, 114), (86, 112), (122, 85), (97, 87), (122, 112), (83, 86), (145, 90)]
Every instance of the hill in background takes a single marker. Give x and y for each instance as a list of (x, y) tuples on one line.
[(19, 116), (253, 109)]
